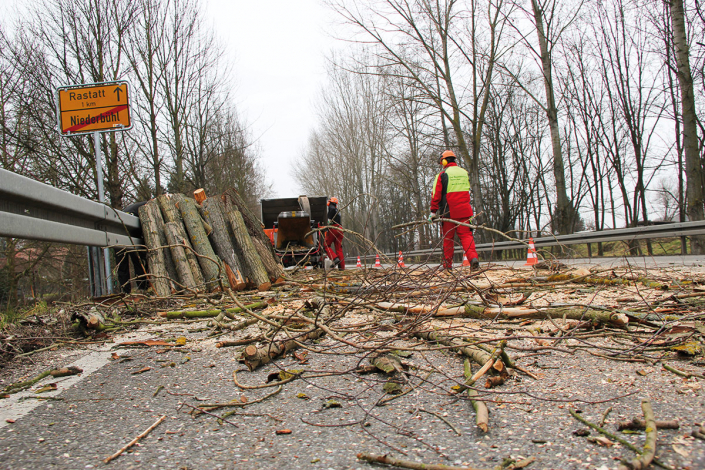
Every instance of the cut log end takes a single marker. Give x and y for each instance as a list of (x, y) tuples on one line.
[(235, 279), (199, 195), (250, 351)]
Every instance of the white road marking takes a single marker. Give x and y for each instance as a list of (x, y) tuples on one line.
[(14, 408)]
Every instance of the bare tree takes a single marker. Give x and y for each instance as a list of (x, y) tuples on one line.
[(176, 57), (433, 44), (144, 40), (550, 20), (235, 162), (693, 165), (631, 80), (346, 156), (411, 155)]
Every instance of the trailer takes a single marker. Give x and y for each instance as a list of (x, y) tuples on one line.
[(289, 223)]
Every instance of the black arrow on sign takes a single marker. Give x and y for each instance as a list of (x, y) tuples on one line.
[(117, 90)]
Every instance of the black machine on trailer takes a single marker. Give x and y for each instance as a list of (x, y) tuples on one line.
[(287, 221)]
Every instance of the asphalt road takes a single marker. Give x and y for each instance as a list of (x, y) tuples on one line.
[(91, 416)]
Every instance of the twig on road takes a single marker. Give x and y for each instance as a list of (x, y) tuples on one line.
[(134, 441)]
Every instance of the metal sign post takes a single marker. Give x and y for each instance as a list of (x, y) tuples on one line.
[(101, 198), (91, 109)]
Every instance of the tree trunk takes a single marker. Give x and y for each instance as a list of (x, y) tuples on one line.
[(178, 253), (253, 264), (167, 203), (564, 213), (233, 200), (274, 269), (693, 169), (207, 259), (152, 231), (213, 210)]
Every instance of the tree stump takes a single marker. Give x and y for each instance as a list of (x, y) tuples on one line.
[(199, 195)]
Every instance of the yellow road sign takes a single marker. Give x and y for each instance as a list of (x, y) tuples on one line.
[(94, 108)]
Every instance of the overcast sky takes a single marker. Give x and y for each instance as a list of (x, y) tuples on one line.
[(279, 49)]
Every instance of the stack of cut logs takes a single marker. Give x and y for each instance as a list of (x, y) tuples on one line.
[(206, 244)]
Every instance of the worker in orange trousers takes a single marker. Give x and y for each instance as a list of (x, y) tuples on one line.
[(334, 235), (451, 200)]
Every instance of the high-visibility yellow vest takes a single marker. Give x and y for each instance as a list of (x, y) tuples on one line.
[(457, 180)]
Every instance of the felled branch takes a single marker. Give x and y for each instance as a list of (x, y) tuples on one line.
[(644, 460)]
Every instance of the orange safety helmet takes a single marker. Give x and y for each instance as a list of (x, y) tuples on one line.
[(334, 200), (445, 156)]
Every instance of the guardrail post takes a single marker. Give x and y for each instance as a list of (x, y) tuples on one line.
[(95, 271)]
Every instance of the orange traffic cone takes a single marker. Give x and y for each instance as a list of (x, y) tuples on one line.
[(465, 260), (400, 263), (531, 257), (359, 264), (377, 263)]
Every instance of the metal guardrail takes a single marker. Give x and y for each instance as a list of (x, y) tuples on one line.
[(33, 210), (673, 230)]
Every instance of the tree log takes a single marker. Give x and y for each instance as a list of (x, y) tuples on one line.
[(207, 259), (478, 355), (482, 414), (637, 424), (91, 319), (167, 204), (152, 230), (64, 371), (178, 254), (253, 357), (600, 316), (275, 270), (171, 213), (233, 200), (213, 212), (480, 312), (210, 312), (254, 268)]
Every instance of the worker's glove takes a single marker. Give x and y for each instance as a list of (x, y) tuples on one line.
[(432, 216)]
